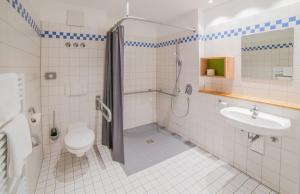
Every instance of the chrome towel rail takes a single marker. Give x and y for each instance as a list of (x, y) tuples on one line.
[(149, 91)]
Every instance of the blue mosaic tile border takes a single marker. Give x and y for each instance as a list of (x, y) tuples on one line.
[(91, 37), (94, 37), (72, 36), (268, 47), (19, 7), (140, 44), (187, 39), (257, 28), (242, 31)]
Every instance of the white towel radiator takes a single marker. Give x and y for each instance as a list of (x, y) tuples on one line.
[(3, 164), (5, 183)]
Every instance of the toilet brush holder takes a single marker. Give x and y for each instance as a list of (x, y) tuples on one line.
[(54, 132)]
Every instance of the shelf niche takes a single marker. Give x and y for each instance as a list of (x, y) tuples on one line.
[(223, 66)]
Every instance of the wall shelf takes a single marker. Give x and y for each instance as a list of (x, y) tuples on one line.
[(223, 66), (252, 99)]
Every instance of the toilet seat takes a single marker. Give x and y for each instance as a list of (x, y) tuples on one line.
[(79, 139)]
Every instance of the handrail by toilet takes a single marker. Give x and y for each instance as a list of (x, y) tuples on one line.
[(104, 109)]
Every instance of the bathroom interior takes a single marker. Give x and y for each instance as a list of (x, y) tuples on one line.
[(136, 96)]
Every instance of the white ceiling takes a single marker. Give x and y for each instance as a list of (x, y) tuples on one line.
[(162, 10)]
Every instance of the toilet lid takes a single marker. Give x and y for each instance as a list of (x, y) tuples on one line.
[(79, 138)]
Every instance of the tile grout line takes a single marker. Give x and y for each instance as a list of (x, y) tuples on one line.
[(242, 183), (232, 179), (214, 179)]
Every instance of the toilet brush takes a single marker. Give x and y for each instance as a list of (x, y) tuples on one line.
[(54, 130)]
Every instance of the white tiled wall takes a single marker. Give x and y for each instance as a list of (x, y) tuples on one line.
[(73, 66), (229, 143), (85, 66), (154, 68), (166, 76), (284, 91), (139, 75), (279, 167), (166, 68), (20, 53)]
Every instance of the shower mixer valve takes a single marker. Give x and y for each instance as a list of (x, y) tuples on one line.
[(188, 89)]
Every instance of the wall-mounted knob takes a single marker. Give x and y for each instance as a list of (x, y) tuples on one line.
[(75, 44), (274, 139), (82, 45), (68, 45)]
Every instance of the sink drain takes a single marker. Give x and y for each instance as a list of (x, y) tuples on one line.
[(149, 141)]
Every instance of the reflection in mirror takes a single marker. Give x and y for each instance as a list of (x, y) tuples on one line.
[(268, 55)]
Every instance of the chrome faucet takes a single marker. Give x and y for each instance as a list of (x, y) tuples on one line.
[(254, 111)]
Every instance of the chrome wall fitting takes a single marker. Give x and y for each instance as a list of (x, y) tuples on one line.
[(274, 139), (256, 143), (68, 45), (50, 75), (189, 89), (252, 137), (82, 45), (223, 103), (75, 44), (254, 111), (31, 110)]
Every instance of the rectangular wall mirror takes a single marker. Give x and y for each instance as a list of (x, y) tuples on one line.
[(268, 55)]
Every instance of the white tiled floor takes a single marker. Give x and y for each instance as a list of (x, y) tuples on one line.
[(193, 171)]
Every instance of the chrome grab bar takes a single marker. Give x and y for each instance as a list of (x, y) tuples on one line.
[(149, 91), (169, 94), (104, 109), (139, 92)]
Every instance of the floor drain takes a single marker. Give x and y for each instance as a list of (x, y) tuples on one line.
[(149, 141)]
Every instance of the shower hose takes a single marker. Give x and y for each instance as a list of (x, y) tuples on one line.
[(187, 110), (176, 89)]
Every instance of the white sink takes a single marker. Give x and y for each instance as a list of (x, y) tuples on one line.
[(264, 124)]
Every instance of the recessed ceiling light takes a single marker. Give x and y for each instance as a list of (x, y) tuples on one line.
[(210, 1)]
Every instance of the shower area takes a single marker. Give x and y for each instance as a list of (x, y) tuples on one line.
[(145, 87), (153, 76)]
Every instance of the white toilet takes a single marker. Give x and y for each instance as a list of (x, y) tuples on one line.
[(79, 139)]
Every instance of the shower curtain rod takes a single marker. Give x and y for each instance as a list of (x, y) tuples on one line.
[(150, 21)]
